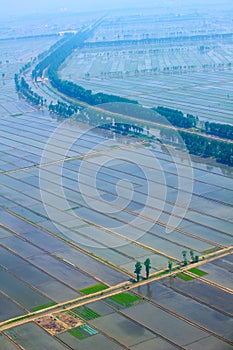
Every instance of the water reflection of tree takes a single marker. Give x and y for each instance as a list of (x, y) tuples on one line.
[(148, 291)]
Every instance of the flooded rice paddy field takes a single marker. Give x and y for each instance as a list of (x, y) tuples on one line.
[(219, 275), (14, 54), (7, 344), (169, 314), (31, 336), (119, 193), (206, 93), (35, 274), (182, 77), (172, 310), (39, 268), (195, 310), (120, 217)]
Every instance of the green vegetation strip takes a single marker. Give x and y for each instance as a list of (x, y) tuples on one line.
[(184, 277), (125, 299), (73, 207), (93, 289), (77, 334), (210, 250), (41, 307), (198, 272), (85, 313), (17, 319)]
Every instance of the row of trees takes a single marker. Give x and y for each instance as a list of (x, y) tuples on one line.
[(78, 92), (23, 88), (64, 109), (205, 147), (196, 144), (138, 268), (54, 47), (161, 115), (220, 130), (147, 263), (177, 118), (194, 258), (123, 128), (200, 145), (27, 65), (53, 60)]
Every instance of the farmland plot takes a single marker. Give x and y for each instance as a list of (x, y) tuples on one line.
[(6, 343), (206, 92), (31, 336), (193, 310), (93, 229), (199, 290), (40, 267)]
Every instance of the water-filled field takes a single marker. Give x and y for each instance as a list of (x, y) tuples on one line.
[(82, 218), (154, 81), (31, 336), (166, 314), (120, 217), (207, 95), (75, 202)]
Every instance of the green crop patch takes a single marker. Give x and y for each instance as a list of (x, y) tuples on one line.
[(125, 299), (210, 250), (77, 334), (77, 207), (198, 272), (184, 277), (41, 307), (93, 289), (85, 313)]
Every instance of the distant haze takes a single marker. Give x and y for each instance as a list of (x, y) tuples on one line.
[(25, 7)]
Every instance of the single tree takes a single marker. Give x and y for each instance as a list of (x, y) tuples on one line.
[(170, 265), (184, 253), (138, 269), (148, 267), (192, 255)]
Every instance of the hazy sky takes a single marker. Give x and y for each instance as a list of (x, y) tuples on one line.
[(24, 7), (21, 7)]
